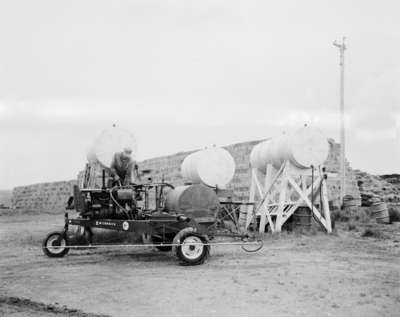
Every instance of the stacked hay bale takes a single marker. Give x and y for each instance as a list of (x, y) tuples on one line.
[(240, 183), (45, 197), (332, 165), (5, 198), (168, 168), (51, 197), (165, 168)]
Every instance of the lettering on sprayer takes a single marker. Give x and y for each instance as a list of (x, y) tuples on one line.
[(105, 223)]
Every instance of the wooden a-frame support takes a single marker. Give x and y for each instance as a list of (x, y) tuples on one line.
[(280, 192)]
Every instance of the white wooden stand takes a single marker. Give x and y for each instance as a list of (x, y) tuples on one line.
[(279, 192)]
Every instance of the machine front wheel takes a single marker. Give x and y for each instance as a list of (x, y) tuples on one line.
[(192, 249), (54, 245)]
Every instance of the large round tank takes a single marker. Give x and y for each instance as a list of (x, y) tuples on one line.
[(304, 148), (212, 167), (108, 143), (196, 201)]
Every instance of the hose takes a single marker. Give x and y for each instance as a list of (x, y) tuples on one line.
[(259, 247), (126, 212)]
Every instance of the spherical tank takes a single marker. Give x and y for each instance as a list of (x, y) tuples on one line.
[(109, 142), (212, 167)]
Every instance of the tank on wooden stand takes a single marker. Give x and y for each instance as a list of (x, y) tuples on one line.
[(285, 170)]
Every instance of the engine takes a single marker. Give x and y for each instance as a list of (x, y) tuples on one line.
[(138, 202), (115, 203)]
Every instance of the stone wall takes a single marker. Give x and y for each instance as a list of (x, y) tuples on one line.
[(332, 165), (51, 197), (44, 197)]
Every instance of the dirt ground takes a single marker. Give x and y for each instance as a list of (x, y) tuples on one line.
[(342, 274)]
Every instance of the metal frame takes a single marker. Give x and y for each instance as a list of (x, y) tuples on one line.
[(156, 223)]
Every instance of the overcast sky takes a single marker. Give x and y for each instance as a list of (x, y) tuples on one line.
[(186, 74)]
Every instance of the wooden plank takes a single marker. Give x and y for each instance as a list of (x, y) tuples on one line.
[(265, 214), (325, 203), (252, 196), (263, 209), (282, 199)]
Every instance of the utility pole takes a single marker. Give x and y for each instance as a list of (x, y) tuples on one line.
[(342, 48)]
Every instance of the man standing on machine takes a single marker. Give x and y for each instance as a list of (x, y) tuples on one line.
[(122, 167)]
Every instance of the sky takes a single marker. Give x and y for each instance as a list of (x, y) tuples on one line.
[(184, 75)]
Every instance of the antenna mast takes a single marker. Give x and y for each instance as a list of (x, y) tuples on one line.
[(342, 48)]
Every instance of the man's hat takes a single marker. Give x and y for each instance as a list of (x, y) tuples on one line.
[(127, 151)]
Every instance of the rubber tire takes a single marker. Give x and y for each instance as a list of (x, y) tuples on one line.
[(47, 252), (183, 260)]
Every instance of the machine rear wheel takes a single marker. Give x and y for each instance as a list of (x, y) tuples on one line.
[(54, 245), (192, 249)]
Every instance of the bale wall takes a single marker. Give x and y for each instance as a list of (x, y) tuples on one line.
[(44, 197), (167, 168), (51, 197)]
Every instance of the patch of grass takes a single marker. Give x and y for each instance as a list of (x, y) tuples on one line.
[(351, 226), (373, 233), (38, 308), (340, 215), (360, 215)]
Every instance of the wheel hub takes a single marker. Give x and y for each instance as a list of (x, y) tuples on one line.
[(192, 247), (55, 245)]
